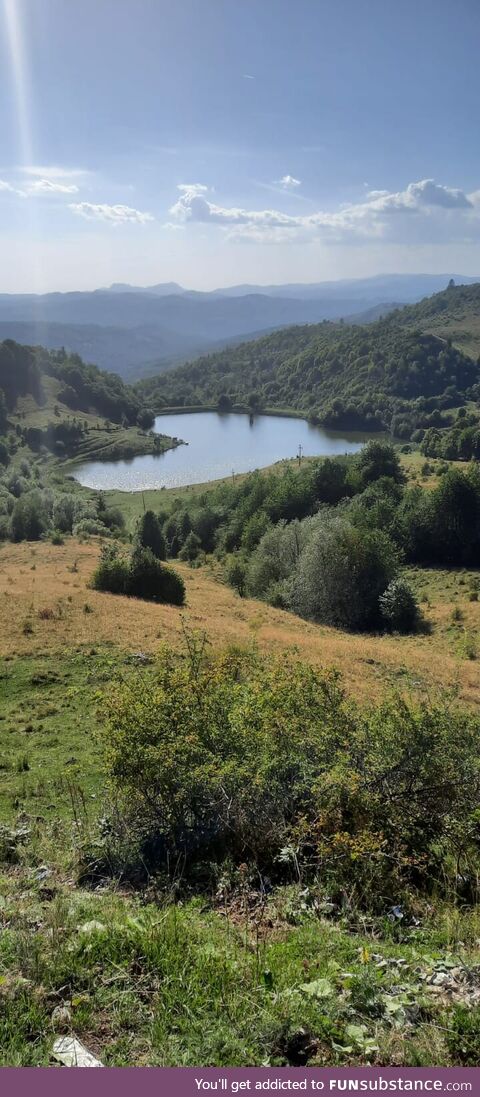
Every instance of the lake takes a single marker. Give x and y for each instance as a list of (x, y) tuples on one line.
[(218, 445)]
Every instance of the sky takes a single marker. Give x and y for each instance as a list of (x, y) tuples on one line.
[(213, 142)]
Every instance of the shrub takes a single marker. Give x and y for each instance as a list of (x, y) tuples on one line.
[(92, 527), (112, 571), (190, 548), (399, 607), (145, 574), (5, 530), (239, 757), (142, 576), (276, 558), (236, 575), (113, 518), (173, 587)]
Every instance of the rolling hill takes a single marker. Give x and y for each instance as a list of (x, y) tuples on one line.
[(137, 331), (399, 373)]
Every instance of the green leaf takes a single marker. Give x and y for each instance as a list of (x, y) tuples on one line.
[(320, 988)]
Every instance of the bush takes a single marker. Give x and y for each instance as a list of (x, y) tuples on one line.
[(113, 518), (92, 527), (145, 574), (191, 547), (399, 607), (244, 758), (142, 576), (236, 575), (173, 587), (112, 572)]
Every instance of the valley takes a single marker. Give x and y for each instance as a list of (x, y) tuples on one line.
[(326, 648)]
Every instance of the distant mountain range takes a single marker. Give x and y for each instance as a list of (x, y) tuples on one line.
[(139, 331)]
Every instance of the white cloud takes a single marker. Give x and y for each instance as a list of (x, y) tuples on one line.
[(424, 212), (289, 182), (8, 189), (53, 171), (247, 76), (114, 215), (46, 186)]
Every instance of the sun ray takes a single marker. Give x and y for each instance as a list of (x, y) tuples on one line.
[(22, 99)]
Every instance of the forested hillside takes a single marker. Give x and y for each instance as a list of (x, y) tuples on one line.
[(387, 376), (83, 387)]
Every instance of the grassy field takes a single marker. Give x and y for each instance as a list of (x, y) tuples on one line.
[(48, 608), (230, 978), (102, 440)]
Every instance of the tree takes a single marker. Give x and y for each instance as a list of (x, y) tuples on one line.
[(456, 518), (30, 517), (4, 454), (224, 402), (399, 607), (379, 459), (149, 534), (236, 574), (145, 418), (3, 412), (341, 574), (190, 548)]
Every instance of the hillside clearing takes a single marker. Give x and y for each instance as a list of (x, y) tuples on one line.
[(44, 594)]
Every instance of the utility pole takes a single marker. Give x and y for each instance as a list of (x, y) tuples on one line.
[(300, 453)]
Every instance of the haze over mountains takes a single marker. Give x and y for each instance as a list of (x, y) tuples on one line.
[(139, 331)]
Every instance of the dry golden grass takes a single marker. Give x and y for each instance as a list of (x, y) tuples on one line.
[(46, 606)]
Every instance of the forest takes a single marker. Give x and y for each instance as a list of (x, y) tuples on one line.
[(378, 377)]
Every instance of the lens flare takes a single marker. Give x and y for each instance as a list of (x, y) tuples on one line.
[(15, 38)]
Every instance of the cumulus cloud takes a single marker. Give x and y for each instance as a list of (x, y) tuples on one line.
[(426, 210), (114, 215), (289, 182), (47, 186)]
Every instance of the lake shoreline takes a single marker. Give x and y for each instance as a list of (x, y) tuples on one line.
[(216, 445)]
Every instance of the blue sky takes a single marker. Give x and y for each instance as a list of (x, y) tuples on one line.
[(221, 141)]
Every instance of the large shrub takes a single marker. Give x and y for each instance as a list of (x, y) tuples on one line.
[(112, 571), (341, 574), (141, 575), (399, 607), (264, 761)]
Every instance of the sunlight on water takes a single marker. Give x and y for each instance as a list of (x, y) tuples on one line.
[(218, 445)]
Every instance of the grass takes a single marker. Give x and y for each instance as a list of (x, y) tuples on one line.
[(49, 756), (35, 578), (102, 440), (228, 979), (197, 984)]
